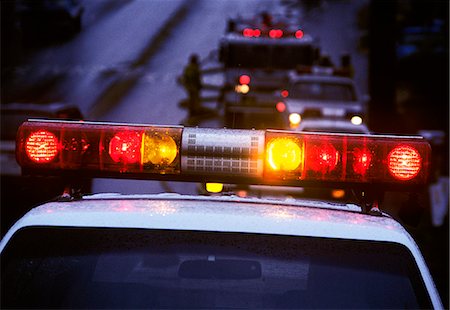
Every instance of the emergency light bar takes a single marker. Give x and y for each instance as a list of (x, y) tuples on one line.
[(220, 155)]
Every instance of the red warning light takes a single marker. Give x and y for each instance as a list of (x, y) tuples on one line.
[(323, 158), (244, 80), (41, 146), (256, 33), (284, 93), (281, 107), (275, 33), (125, 147), (247, 32), (404, 162), (299, 34), (361, 161)]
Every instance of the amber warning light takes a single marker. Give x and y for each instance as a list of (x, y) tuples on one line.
[(220, 155)]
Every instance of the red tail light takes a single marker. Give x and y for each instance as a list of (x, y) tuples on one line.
[(247, 32), (276, 33), (281, 107), (299, 34), (244, 80)]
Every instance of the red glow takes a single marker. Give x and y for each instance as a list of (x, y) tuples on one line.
[(41, 146), (257, 33), (299, 34), (125, 147), (244, 80), (284, 93), (247, 32), (275, 33), (404, 162), (281, 107), (322, 158), (362, 160)]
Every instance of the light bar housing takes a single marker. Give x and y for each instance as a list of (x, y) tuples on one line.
[(265, 157)]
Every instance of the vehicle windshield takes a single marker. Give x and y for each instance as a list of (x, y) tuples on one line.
[(322, 91), (126, 268), (267, 56)]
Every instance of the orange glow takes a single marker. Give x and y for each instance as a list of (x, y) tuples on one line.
[(338, 193), (284, 154), (42, 146), (404, 162)]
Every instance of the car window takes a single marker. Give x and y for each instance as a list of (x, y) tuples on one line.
[(322, 91), (130, 268)]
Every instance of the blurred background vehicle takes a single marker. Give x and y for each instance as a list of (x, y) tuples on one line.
[(257, 110), (324, 95), (331, 125)]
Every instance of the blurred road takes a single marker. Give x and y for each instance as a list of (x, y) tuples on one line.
[(155, 95)]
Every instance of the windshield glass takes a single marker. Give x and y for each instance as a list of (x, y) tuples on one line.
[(123, 268), (267, 56), (322, 91)]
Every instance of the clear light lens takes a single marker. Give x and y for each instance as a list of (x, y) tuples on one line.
[(356, 120), (214, 187), (284, 154)]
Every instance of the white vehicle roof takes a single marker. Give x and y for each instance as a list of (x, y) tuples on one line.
[(224, 214), (229, 213)]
